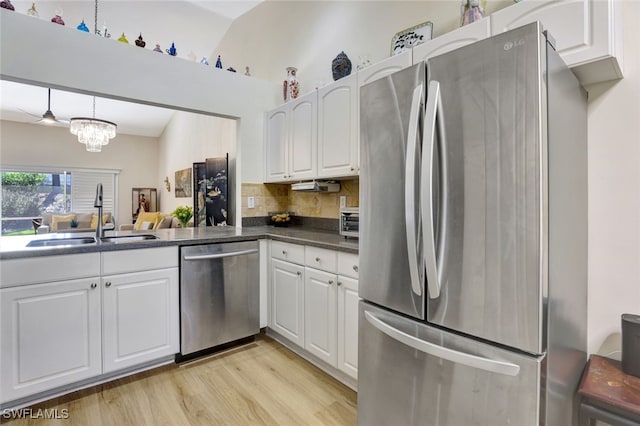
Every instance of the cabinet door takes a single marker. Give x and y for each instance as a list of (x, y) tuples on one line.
[(348, 325), (338, 128), (287, 298), (585, 33), (303, 137), (320, 314), (140, 317), (384, 68), (50, 336), (452, 40), (276, 140)]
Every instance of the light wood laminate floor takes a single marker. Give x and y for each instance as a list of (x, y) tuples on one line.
[(254, 384)]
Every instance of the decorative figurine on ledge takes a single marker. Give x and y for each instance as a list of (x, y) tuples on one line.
[(158, 48), (33, 11), (83, 27), (172, 50), (6, 4), (204, 61), (219, 62), (58, 19), (123, 39), (246, 71), (140, 41), (231, 69), (291, 86)]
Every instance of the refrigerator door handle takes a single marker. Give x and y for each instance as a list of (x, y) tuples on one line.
[(433, 107), (409, 190), (473, 361)]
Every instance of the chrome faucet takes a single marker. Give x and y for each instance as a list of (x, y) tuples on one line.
[(98, 204)]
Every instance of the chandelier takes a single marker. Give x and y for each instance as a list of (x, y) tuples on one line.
[(93, 132)]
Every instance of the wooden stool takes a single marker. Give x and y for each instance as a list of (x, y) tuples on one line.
[(608, 394)]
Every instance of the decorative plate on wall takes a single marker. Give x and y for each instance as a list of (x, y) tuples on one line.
[(406, 39)]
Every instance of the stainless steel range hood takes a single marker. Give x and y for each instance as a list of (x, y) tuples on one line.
[(316, 186)]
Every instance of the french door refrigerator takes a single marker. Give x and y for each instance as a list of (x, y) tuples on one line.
[(473, 241)]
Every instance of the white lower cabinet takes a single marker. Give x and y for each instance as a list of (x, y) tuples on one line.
[(320, 319), (287, 300), (140, 318), (314, 303), (50, 336), (83, 325), (348, 325)]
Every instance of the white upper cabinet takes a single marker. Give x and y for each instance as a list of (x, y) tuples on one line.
[(303, 137), (291, 135), (587, 33), (384, 68), (338, 128), (276, 140), (452, 40)]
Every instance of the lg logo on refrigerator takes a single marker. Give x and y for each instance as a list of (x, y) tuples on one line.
[(511, 44)]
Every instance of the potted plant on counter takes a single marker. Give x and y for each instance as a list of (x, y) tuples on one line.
[(183, 214)]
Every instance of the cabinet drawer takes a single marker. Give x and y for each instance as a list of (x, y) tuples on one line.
[(123, 261), (320, 258), (287, 251), (348, 264), (34, 270)]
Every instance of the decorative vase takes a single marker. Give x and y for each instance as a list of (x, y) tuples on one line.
[(6, 4), (83, 27), (341, 66), (140, 41), (471, 11), (172, 50), (291, 87)]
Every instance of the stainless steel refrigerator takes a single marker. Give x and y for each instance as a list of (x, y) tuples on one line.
[(473, 238)]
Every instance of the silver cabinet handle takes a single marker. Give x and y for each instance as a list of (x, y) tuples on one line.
[(330, 282), (107, 284), (299, 273), (431, 126), (473, 361), (355, 268), (94, 285), (284, 252), (411, 225), (317, 259), (220, 255), (339, 283)]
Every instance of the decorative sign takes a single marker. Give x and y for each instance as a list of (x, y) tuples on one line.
[(411, 37)]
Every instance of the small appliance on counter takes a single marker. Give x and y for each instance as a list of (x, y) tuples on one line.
[(349, 221)]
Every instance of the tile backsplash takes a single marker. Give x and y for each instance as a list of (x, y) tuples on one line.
[(270, 197)]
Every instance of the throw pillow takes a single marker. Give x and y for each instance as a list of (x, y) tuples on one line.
[(57, 218), (165, 222), (147, 225), (94, 220), (153, 217)]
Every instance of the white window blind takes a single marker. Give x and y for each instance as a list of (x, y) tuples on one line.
[(83, 190)]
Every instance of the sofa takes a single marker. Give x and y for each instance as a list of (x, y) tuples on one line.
[(151, 221), (84, 222)]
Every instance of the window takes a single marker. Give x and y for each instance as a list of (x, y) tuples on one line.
[(28, 193)]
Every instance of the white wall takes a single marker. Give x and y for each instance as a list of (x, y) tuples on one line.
[(614, 193), (190, 138), (37, 145), (309, 34)]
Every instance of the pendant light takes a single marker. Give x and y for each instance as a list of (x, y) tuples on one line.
[(93, 132)]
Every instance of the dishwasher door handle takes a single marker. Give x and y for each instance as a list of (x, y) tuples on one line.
[(220, 255)]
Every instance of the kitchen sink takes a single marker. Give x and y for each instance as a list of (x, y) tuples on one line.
[(128, 238), (53, 242)]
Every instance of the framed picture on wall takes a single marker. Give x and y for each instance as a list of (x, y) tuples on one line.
[(182, 186), (143, 200)]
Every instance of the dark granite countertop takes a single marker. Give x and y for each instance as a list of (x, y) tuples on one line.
[(16, 247)]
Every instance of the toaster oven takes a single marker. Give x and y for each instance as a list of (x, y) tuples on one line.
[(349, 218)]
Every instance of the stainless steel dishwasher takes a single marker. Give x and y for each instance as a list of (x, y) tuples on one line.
[(219, 295)]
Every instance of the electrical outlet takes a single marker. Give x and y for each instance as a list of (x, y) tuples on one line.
[(343, 201), (251, 202)]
